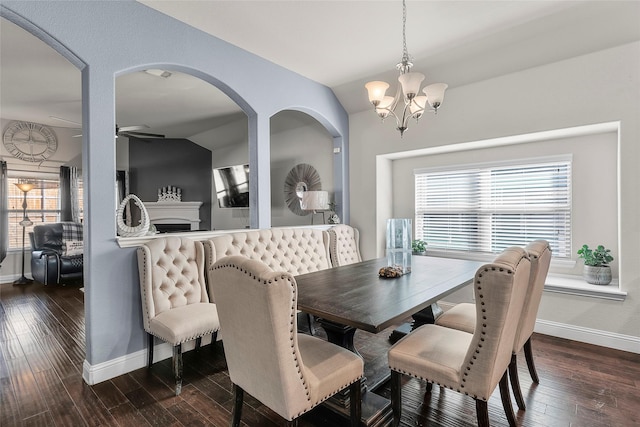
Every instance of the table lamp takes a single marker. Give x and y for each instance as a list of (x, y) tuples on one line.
[(315, 201), (25, 187)]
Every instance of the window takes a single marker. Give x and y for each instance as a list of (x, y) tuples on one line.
[(488, 208), (43, 205)]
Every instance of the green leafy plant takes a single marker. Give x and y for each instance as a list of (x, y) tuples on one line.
[(598, 257), (418, 246)]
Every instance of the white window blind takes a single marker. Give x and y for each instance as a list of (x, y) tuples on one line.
[(487, 209)]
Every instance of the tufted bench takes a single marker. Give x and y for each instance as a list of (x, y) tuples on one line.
[(294, 250)]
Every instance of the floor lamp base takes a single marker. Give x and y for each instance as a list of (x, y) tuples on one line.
[(23, 281)]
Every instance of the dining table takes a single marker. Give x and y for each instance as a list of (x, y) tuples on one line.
[(355, 297)]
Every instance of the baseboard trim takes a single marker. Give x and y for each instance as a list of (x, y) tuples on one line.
[(94, 374), (578, 333), (10, 278), (590, 336)]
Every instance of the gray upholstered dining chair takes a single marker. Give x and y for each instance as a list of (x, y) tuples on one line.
[(344, 245), (463, 316), (288, 372), (472, 364), (175, 304)]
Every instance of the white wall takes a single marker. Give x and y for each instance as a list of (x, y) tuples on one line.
[(595, 88)]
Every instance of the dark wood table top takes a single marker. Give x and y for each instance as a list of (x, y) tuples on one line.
[(354, 295)]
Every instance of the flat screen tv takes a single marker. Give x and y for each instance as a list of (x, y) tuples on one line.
[(232, 186)]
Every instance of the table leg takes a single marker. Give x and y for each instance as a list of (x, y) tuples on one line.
[(376, 410), (341, 335), (425, 316)]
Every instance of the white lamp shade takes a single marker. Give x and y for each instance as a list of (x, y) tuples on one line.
[(314, 201), (384, 108), (435, 93), (25, 186), (376, 90), (410, 83), (418, 104)]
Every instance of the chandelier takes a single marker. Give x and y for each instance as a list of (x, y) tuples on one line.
[(413, 105)]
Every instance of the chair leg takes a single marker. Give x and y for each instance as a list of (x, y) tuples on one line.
[(506, 400), (396, 397), (238, 395), (482, 413), (528, 354), (355, 403), (515, 382), (214, 339), (429, 387), (150, 343), (292, 423), (177, 367), (198, 343)]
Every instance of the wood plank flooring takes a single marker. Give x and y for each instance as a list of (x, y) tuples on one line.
[(42, 351)]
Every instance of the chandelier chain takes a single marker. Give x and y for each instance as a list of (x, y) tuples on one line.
[(405, 63)]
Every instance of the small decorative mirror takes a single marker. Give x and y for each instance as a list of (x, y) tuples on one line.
[(302, 177)]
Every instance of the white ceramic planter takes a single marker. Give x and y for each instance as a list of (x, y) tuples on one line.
[(597, 275)]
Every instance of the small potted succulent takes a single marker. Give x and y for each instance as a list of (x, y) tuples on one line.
[(419, 247), (596, 264)]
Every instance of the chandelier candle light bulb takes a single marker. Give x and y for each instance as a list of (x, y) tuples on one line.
[(408, 90)]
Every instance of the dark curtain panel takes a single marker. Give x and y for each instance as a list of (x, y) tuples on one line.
[(122, 189), (66, 213), (4, 211)]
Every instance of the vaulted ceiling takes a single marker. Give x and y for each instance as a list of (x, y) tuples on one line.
[(342, 44)]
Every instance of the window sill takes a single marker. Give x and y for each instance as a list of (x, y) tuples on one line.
[(575, 285)]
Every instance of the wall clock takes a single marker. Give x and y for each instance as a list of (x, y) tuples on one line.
[(31, 142)]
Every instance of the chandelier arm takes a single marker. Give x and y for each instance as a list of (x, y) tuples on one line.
[(398, 96)]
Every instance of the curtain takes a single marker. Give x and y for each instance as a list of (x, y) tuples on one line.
[(122, 190), (69, 202), (65, 194), (75, 199), (4, 211)]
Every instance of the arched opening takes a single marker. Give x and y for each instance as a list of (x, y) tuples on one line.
[(301, 152), (175, 134), (41, 114)]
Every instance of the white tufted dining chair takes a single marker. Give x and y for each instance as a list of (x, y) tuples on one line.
[(175, 305), (288, 372), (344, 245), (472, 364), (463, 316)]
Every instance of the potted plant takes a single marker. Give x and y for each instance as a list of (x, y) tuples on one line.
[(419, 247), (596, 264)]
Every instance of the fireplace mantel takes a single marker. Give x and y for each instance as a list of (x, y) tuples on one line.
[(174, 213)]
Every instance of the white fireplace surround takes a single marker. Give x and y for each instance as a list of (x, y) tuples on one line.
[(168, 212)]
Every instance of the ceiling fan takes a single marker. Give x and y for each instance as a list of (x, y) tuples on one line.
[(132, 131), (126, 131)]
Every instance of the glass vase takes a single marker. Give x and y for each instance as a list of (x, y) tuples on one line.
[(399, 243)]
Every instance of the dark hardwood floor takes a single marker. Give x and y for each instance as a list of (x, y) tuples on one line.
[(42, 351)]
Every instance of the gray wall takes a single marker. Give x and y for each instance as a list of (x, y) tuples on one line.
[(105, 39), (159, 163)]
